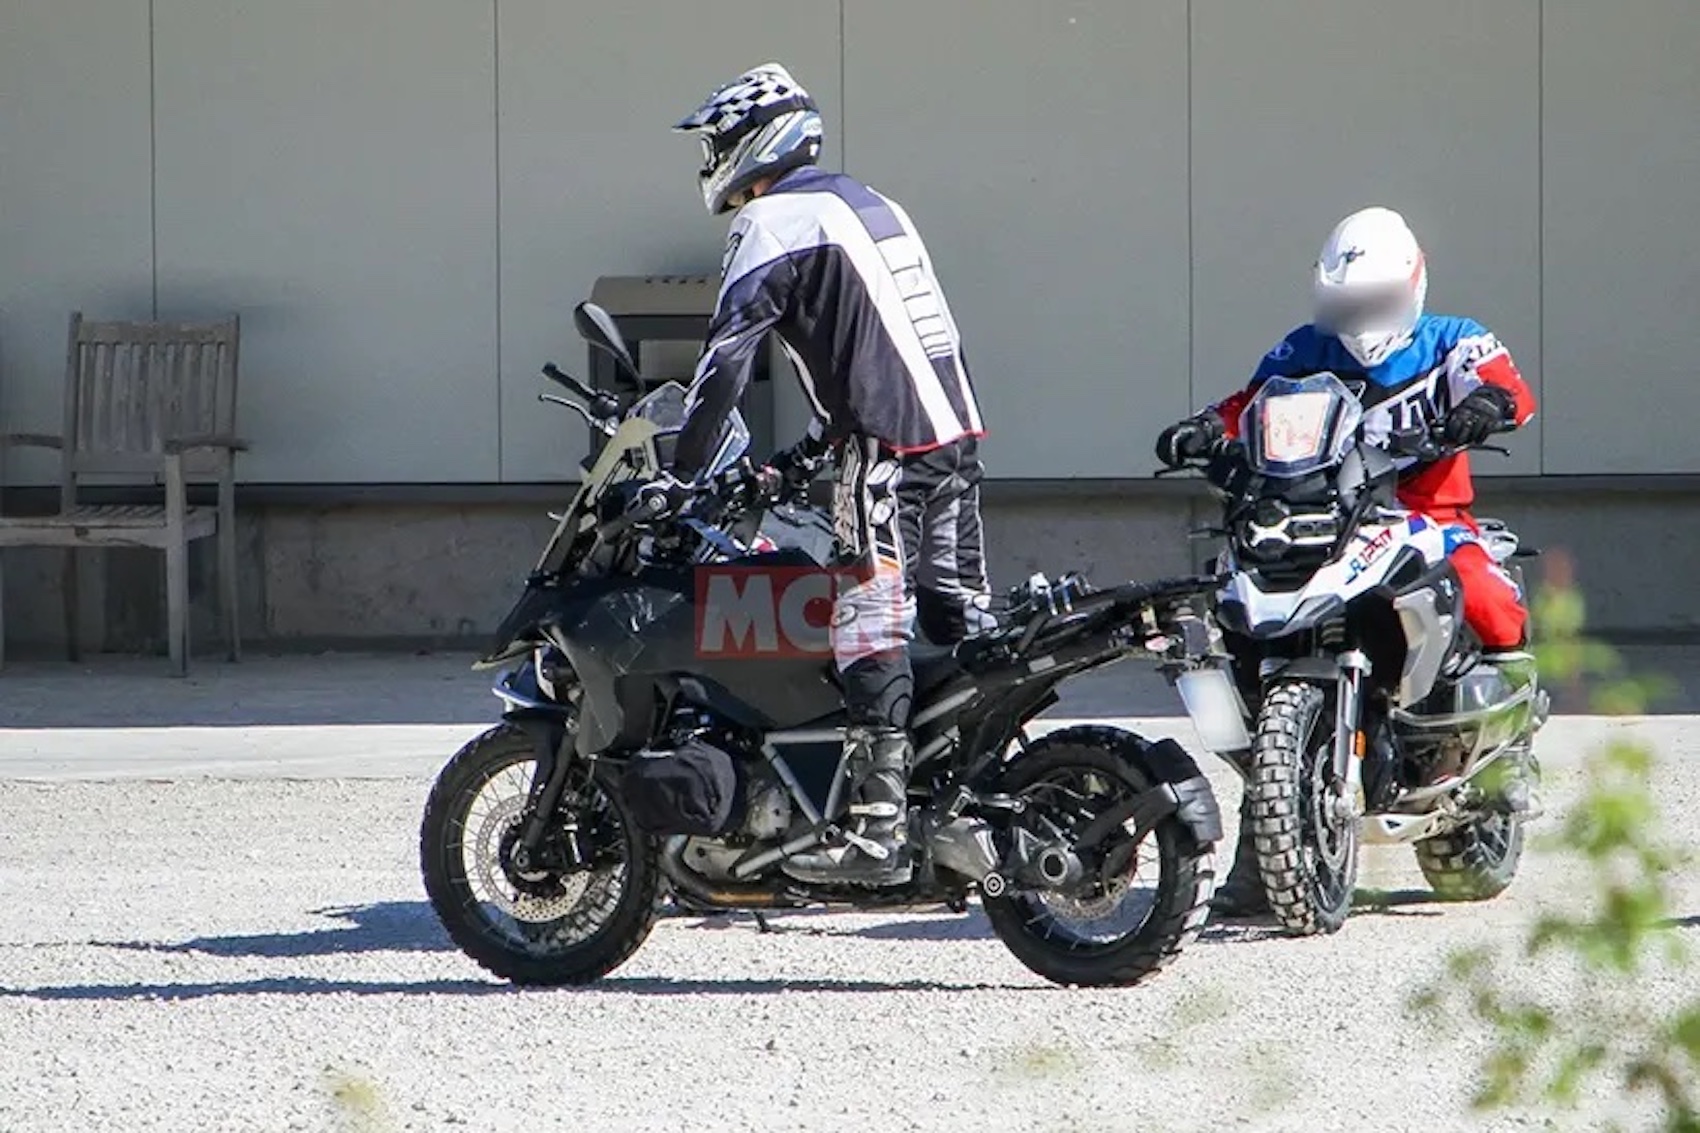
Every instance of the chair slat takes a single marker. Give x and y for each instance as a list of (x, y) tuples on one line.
[(129, 388)]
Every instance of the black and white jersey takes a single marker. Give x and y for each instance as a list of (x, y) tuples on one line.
[(840, 274)]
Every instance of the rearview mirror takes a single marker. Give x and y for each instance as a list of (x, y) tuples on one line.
[(598, 328)]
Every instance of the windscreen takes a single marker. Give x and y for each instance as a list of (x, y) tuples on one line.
[(664, 407), (1295, 426)]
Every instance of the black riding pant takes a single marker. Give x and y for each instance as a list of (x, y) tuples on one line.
[(909, 524)]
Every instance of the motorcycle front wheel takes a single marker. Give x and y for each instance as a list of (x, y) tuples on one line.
[(557, 920), (1138, 902), (1307, 846)]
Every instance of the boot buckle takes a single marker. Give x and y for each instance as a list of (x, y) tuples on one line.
[(868, 846)]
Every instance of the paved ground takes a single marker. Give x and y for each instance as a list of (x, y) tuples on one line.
[(213, 920)]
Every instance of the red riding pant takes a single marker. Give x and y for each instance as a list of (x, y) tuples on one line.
[(1493, 605)]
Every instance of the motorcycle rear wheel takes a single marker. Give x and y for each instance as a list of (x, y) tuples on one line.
[(543, 928), (1476, 862), (1307, 854), (1052, 934)]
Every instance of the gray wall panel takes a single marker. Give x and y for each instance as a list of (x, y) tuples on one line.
[(1305, 111), (1039, 148), (333, 172), (75, 201), (327, 168), (1622, 219), (594, 181)]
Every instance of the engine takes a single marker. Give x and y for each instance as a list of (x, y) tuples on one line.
[(768, 813)]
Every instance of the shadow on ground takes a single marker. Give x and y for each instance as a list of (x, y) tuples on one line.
[(611, 985), (1396, 903), (387, 926), (411, 926)]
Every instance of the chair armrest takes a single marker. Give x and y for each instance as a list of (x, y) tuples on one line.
[(205, 440), (30, 440)]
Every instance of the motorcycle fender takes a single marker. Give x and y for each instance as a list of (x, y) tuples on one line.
[(1181, 791), (547, 730)]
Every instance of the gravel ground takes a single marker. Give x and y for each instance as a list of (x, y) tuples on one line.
[(218, 954)]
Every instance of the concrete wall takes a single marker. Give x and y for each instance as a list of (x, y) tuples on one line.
[(1122, 197), (1621, 279), (401, 574)]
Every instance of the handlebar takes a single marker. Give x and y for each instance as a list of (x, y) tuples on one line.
[(1425, 444), (601, 411), (737, 489), (602, 404), (1223, 447), (1429, 445)]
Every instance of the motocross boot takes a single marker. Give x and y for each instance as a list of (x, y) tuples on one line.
[(875, 850), (1242, 896)]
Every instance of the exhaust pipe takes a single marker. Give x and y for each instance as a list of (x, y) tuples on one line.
[(720, 895)]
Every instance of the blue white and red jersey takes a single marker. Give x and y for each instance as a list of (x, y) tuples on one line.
[(1447, 357)]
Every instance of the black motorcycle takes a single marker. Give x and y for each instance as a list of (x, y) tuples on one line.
[(630, 756)]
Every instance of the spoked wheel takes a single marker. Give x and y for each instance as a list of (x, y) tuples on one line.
[(1475, 862), (1306, 839), (569, 913), (1134, 904)]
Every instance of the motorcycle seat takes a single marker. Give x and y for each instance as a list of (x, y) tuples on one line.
[(932, 664)]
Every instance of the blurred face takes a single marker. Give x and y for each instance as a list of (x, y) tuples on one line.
[(1365, 310)]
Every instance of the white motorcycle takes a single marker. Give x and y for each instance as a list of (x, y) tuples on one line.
[(1376, 714)]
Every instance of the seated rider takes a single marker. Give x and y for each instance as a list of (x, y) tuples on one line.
[(1414, 369)]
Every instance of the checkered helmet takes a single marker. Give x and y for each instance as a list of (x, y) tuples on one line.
[(760, 124)]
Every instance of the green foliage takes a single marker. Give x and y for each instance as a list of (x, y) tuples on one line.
[(1598, 1022)]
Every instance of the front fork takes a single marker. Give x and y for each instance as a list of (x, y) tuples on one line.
[(552, 739), (1348, 718)]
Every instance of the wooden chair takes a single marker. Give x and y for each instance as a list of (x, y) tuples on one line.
[(150, 400)]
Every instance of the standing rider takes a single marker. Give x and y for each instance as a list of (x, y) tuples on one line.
[(1414, 369), (839, 273)]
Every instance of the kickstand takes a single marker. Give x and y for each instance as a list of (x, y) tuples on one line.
[(761, 923)]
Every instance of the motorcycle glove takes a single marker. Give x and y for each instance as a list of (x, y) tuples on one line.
[(1486, 411), (800, 464), (1190, 439)]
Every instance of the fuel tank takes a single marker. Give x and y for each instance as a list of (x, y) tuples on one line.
[(723, 635)]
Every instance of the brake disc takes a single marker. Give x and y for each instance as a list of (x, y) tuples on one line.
[(533, 899)]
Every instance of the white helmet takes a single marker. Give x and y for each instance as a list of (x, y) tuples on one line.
[(1371, 280), (760, 124)]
